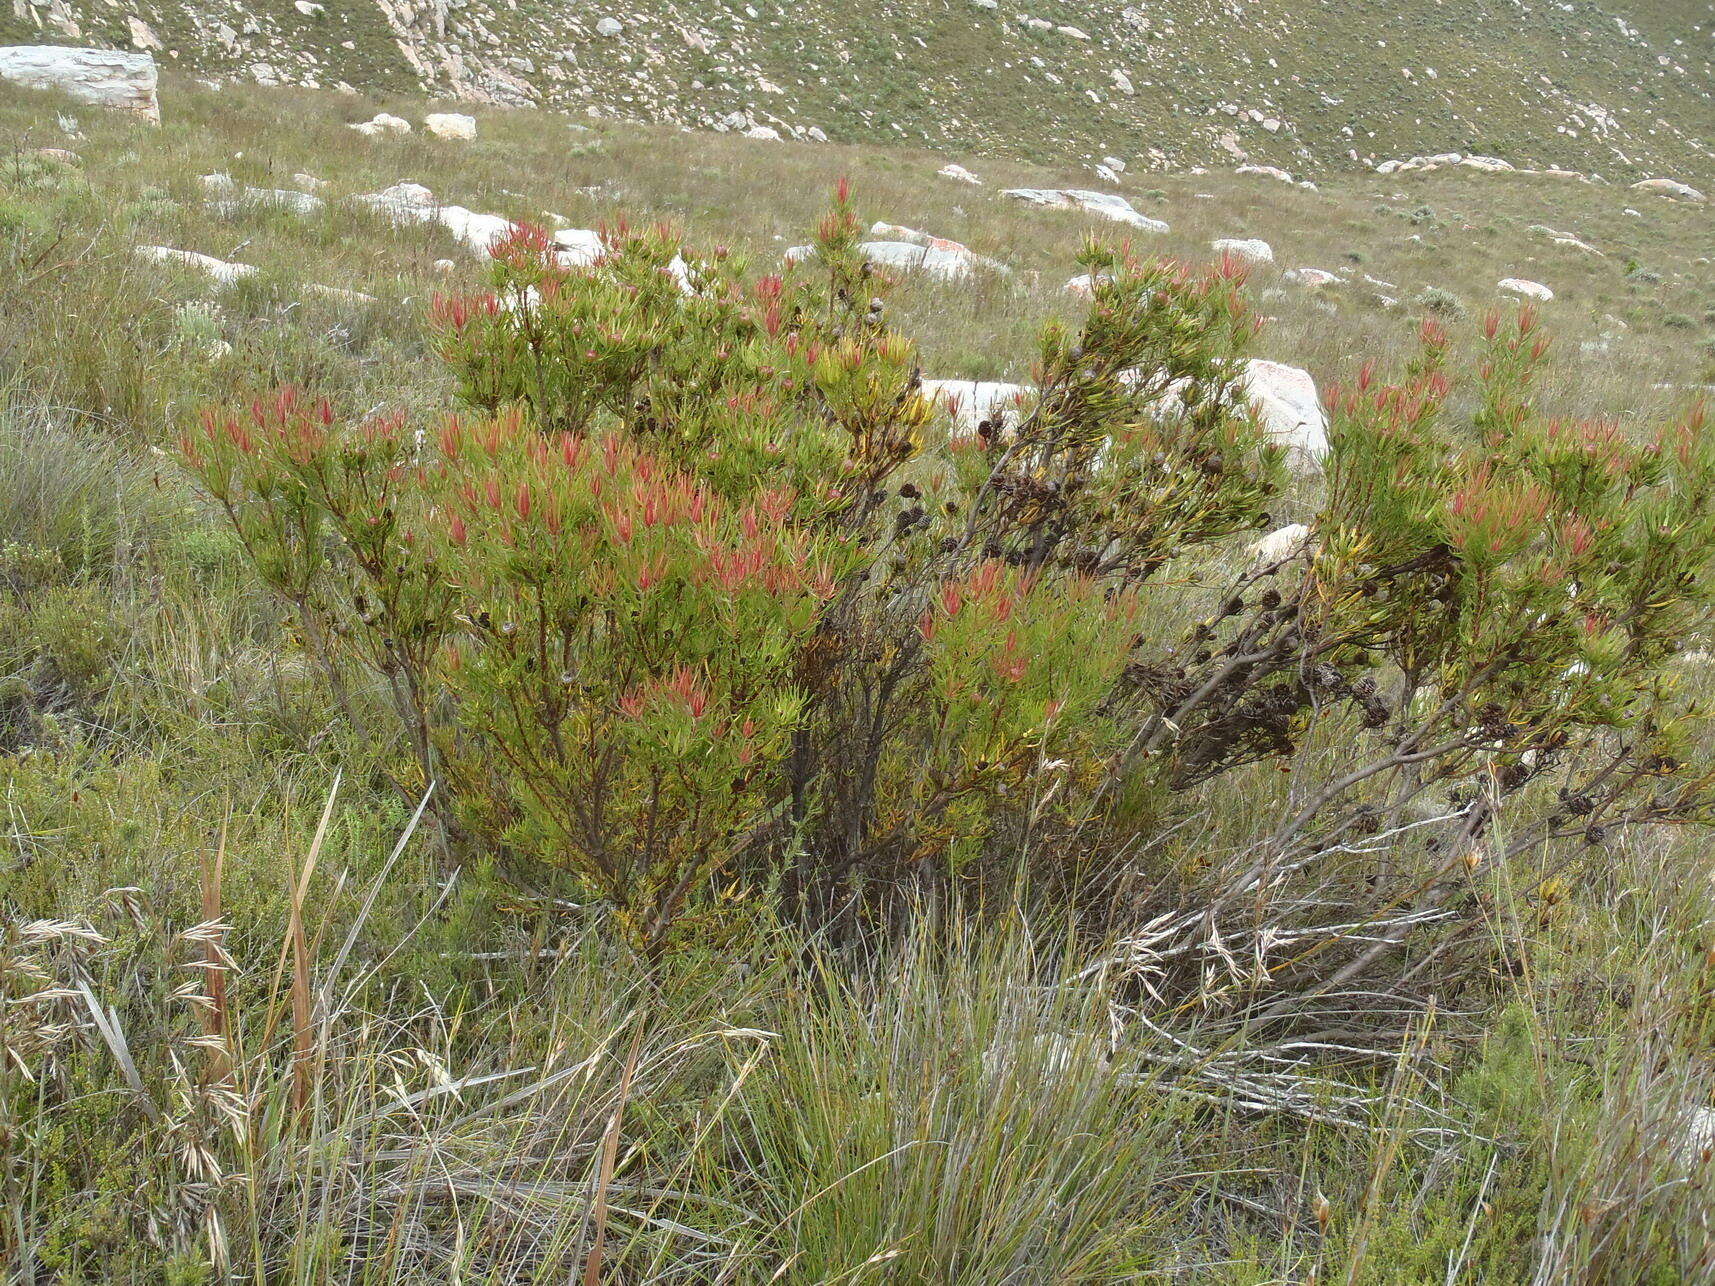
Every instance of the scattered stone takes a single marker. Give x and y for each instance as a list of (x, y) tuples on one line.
[(960, 174), (816, 134), (383, 123), (1267, 171), (1105, 204), (453, 126), (223, 272), (1487, 164), (609, 27), (309, 8), (1566, 239), (1671, 188), (1525, 289), (1114, 163), (103, 77), (763, 133), (1312, 278), (1251, 250)]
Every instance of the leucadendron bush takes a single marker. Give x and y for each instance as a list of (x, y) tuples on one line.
[(698, 589)]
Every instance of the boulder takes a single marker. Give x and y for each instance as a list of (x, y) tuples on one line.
[(763, 133), (1313, 278), (970, 402), (382, 123), (1663, 187), (453, 126), (223, 272), (103, 77), (960, 174), (1487, 164), (609, 27), (1290, 409), (948, 265), (1106, 204), (1525, 289), (1250, 250)]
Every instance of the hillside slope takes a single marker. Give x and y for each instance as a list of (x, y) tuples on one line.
[(1307, 84)]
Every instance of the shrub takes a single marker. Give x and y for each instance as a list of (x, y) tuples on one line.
[(697, 592)]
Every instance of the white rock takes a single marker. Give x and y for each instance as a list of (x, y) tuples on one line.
[(1105, 204), (104, 77), (1280, 544), (309, 8), (970, 402), (223, 272), (816, 134), (1122, 82), (1076, 33), (1267, 172), (578, 247), (1290, 409), (1114, 163), (1661, 187), (338, 295), (309, 183), (218, 184), (609, 27), (453, 126), (947, 265), (1106, 175), (1251, 250), (383, 123), (1487, 164), (1525, 289), (960, 174), (445, 267), (1083, 286), (414, 203), (1314, 278)]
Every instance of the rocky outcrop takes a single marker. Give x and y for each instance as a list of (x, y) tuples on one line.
[(104, 77)]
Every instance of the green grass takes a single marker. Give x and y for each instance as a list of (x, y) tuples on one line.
[(975, 1101)]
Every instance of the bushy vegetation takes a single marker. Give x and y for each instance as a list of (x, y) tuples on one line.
[(640, 793)]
